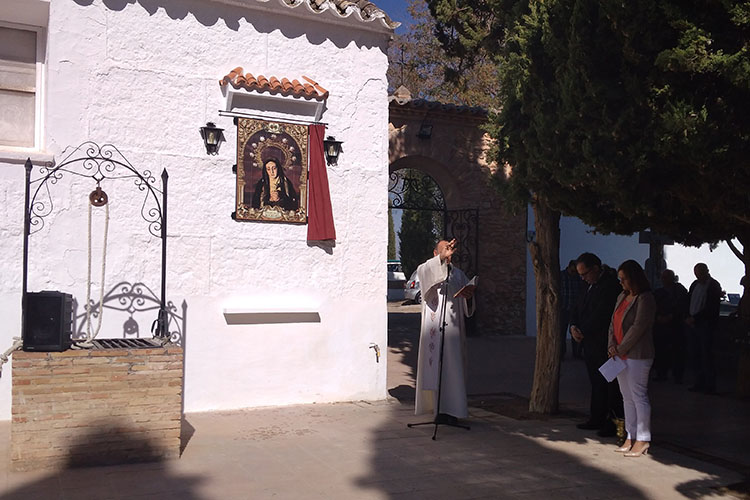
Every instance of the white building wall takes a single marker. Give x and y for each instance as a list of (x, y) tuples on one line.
[(145, 81)]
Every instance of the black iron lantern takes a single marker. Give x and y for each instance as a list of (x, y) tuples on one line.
[(212, 137), (425, 130), (332, 149)]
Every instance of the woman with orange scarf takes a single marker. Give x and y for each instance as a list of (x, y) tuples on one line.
[(631, 339)]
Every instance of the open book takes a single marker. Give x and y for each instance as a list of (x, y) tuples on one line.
[(469, 287)]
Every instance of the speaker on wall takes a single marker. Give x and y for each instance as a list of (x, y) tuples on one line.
[(48, 321)]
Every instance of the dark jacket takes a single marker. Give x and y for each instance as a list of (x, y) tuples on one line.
[(671, 308), (709, 315), (637, 327), (593, 313)]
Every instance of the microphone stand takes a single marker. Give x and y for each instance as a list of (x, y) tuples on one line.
[(444, 419)]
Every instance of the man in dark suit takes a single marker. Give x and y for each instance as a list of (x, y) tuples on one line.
[(704, 299), (590, 326)]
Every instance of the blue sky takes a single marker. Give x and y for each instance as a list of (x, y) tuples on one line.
[(396, 9)]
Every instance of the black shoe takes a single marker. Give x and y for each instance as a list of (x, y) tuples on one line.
[(607, 431), (589, 425)]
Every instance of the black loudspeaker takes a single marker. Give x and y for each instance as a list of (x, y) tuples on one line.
[(48, 321)]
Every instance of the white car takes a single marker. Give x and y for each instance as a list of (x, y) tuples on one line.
[(411, 289), (396, 279)]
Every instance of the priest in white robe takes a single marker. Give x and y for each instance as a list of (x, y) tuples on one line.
[(435, 291)]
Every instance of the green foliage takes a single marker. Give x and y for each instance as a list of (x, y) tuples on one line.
[(626, 115), (417, 238), (420, 229), (418, 61)]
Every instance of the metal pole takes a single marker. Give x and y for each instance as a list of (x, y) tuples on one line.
[(163, 307), (443, 324), (26, 230)]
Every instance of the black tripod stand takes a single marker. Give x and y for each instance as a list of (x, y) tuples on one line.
[(440, 418)]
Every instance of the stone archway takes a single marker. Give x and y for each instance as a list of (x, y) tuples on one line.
[(446, 142)]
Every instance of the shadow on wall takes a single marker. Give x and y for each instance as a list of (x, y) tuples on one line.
[(263, 22), (403, 339), (92, 471), (133, 301), (326, 246)]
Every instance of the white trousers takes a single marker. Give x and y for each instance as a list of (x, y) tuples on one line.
[(633, 382)]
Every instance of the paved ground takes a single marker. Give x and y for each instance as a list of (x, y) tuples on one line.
[(364, 450)]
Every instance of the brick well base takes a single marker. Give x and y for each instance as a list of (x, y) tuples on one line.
[(96, 407)]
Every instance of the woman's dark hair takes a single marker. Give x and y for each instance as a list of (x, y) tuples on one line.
[(636, 277), (267, 181), (279, 170)]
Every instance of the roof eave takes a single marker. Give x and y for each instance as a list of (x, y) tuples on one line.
[(302, 9)]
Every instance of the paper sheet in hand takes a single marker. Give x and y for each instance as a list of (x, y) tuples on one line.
[(611, 368), (470, 286)]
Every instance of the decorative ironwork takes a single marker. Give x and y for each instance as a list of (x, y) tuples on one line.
[(133, 298), (123, 344), (411, 189), (99, 163), (463, 225)]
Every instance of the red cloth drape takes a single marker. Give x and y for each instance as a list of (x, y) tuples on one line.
[(319, 212)]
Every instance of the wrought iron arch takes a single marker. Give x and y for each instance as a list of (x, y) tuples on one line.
[(98, 163), (413, 189)]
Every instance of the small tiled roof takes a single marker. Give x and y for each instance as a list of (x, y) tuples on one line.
[(273, 85), (363, 10)]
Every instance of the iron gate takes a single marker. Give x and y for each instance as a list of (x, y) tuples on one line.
[(410, 189)]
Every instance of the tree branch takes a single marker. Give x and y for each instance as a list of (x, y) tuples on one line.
[(736, 251)]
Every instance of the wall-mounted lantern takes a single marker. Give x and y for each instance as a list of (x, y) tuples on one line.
[(425, 130), (332, 149), (212, 137)]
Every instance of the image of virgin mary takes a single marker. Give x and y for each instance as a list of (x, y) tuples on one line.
[(274, 189)]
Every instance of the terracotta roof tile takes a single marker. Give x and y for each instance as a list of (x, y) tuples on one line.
[(364, 10), (260, 83)]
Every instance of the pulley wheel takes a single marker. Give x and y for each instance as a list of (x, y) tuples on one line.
[(98, 197)]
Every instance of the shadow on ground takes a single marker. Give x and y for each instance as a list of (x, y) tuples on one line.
[(89, 472), (530, 456)]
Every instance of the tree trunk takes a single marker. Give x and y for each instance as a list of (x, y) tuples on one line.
[(545, 257), (744, 309), (743, 337)]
